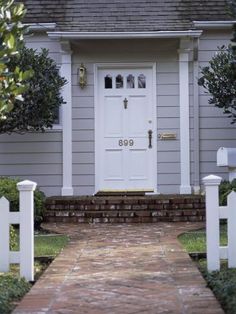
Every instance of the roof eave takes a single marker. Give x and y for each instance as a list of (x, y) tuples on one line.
[(41, 27), (214, 24), (124, 35)]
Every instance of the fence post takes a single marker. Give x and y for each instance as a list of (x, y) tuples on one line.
[(212, 183), (231, 204), (4, 235), (26, 189)]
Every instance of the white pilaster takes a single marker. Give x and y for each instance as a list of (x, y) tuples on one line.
[(185, 187), (67, 119)]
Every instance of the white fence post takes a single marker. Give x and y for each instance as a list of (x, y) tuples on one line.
[(26, 189), (4, 237), (231, 200), (212, 183)]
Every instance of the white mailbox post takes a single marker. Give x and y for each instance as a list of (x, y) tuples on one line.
[(226, 157)]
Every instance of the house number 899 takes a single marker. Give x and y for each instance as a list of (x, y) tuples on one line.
[(126, 142)]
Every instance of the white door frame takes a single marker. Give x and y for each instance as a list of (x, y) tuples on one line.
[(100, 66)]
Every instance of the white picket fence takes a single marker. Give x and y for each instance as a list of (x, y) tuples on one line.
[(25, 218), (214, 213)]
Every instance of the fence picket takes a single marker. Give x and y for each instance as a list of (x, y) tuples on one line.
[(4, 238), (231, 229), (214, 213), (25, 217)]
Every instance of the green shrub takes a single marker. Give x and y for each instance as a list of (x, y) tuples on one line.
[(8, 189), (42, 99), (223, 284), (13, 237), (11, 289), (225, 188)]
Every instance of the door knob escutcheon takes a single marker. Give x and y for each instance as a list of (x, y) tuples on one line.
[(125, 103), (150, 138)]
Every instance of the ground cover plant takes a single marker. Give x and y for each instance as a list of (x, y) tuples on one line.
[(223, 282), (13, 288)]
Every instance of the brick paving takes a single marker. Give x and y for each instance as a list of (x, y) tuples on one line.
[(121, 269)]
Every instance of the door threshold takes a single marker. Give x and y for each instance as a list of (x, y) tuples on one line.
[(137, 192)]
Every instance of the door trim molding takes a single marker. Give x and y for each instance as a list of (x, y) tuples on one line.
[(100, 66)]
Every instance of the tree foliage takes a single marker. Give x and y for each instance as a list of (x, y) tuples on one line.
[(219, 78), (42, 99), (11, 37)]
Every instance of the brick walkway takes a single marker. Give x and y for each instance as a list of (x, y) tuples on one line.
[(121, 269)]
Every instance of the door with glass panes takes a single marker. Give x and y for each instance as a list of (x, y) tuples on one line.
[(125, 145)]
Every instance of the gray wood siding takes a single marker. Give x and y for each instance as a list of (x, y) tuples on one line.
[(35, 156), (215, 128), (38, 156), (164, 53)]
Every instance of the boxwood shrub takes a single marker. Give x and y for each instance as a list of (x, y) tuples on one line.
[(225, 188), (9, 189)]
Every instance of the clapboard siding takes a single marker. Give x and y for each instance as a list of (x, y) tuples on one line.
[(38, 156), (30, 147), (35, 156), (83, 158), (164, 54), (215, 128), (39, 41), (167, 112)]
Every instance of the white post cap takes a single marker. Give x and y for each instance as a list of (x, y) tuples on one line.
[(212, 180), (26, 185)]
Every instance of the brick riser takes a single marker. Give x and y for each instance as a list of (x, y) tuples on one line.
[(125, 209)]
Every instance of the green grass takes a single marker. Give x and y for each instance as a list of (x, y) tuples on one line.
[(45, 245), (195, 241), (13, 288)]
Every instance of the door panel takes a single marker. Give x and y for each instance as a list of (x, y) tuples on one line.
[(137, 115), (112, 108), (138, 169), (125, 114), (114, 157)]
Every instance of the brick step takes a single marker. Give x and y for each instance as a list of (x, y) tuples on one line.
[(125, 209)]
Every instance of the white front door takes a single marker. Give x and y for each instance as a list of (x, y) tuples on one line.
[(125, 119)]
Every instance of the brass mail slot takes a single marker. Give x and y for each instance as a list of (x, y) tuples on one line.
[(167, 136)]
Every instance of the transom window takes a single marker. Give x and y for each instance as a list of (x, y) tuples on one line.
[(108, 81), (130, 81), (119, 81)]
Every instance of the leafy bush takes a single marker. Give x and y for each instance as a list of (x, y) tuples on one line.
[(11, 289), (8, 189), (225, 188), (13, 237), (42, 98), (219, 79)]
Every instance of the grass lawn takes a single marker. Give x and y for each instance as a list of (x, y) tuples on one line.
[(223, 282), (13, 288), (195, 241), (46, 245)]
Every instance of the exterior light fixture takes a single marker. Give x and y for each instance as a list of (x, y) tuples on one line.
[(82, 76)]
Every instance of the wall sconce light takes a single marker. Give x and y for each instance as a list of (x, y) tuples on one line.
[(82, 76)]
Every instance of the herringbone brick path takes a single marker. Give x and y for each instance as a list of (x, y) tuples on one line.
[(121, 269)]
